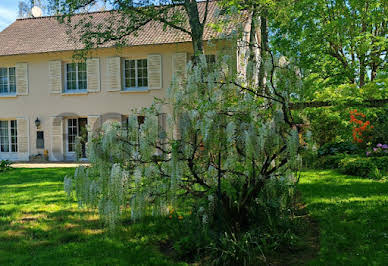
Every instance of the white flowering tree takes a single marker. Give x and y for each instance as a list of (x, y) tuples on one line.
[(224, 143)]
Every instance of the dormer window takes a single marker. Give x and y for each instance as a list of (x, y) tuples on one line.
[(76, 77), (8, 80)]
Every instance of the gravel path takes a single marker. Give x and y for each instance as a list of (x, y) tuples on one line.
[(48, 165)]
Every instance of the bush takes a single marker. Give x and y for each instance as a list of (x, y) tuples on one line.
[(328, 162), (381, 163), (338, 148), (5, 165), (359, 166)]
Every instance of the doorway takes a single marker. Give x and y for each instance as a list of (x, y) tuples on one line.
[(77, 128)]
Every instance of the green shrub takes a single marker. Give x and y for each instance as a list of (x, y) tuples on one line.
[(381, 163), (338, 148), (5, 165), (328, 162), (359, 166)]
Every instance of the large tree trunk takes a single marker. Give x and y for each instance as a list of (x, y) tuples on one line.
[(196, 26)]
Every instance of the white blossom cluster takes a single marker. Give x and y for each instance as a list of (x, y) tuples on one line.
[(215, 133)]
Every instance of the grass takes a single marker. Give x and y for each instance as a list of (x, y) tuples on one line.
[(40, 226), (352, 214)]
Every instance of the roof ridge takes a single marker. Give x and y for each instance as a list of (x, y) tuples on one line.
[(78, 14)]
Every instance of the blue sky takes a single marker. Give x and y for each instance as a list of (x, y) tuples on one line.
[(8, 12)]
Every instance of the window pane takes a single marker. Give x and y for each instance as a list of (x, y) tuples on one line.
[(12, 79), (72, 134), (142, 73), (4, 138), (71, 77), (82, 76), (14, 138), (3, 80), (130, 73)]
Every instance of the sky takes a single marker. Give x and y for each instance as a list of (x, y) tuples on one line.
[(8, 12)]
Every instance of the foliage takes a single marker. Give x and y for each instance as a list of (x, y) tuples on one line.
[(227, 147), (336, 42), (381, 164), (327, 162), (359, 166), (328, 125), (5, 165), (341, 49), (238, 250), (379, 120), (337, 148), (188, 234), (351, 213), (226, 150)]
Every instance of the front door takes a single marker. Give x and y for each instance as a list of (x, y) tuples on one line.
[(76, 128)]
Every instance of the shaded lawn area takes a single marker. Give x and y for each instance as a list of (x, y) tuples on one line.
[(352, 214), (40, 226)]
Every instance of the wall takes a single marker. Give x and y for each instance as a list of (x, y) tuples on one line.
[(42, 104)]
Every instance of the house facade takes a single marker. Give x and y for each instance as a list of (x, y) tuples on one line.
[(47, 99)]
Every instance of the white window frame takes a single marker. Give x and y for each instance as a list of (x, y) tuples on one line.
[(72, 153), (8, 81), (78, 90), (136, 88), (67, 133), (10, 143)]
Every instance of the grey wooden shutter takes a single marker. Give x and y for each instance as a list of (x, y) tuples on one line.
[(113, 69), (93, 69), (93, 125), (55, 76), (22, 134), (154, 63), (22, 79), (56, 138), (179, 62)]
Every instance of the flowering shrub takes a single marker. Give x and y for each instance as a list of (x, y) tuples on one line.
[(379, 150), (359, 126)]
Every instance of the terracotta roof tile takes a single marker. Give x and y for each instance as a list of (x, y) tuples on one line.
[(46, 34)]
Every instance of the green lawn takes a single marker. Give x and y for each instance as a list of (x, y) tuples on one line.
[(352, 214), (40, 226)]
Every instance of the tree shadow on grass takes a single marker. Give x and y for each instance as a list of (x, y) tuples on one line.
[(352, 214), (40, 226)]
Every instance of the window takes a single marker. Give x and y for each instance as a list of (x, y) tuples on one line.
[(72, 130), (76, 77), (76, 128), (8, 136), (7, 80), (135, 74)]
